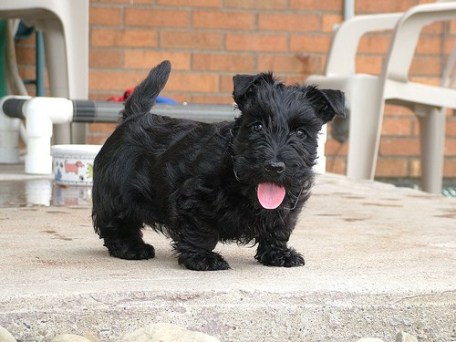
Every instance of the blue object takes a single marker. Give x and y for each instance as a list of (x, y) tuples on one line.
[(165, 100)]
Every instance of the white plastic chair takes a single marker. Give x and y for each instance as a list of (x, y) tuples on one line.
[(65, 26), (366, 94)]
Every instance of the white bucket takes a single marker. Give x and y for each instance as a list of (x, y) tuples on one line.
[(73, 164)]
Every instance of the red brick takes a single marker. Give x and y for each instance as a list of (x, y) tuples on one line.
[(369, 64), (375, 44), (147, 59), (397, 126), (426, 79), (26, 54), (288, 22), (223, 62), (194, 82), (391, 167), (285, 63), (190, 40), (255, 4), (129, 2), (105, 58), (156, 17), (451, 127), (368, 6), (116, 82), (330, 22), (105, 16), (223, 20), (398, 111), (96, 139), (190, 3), (450, 147), (336, 165), (97, 95), (404, 147), (448, 45), (436, 28), (27, 72), (226, 83), (102, 127), (291, 78), (320, 5), (123, 38), (429, 44), (426, 65), (449, 168), (414, 168), (255, 42), (334, 149), (310, 43)]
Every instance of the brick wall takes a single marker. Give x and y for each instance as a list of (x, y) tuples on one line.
[(210, 40)]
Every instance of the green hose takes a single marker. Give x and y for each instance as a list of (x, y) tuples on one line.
[(2, 58)]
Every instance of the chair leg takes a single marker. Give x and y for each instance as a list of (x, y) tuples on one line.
[(56, 58), (365, 129), (432, 140)]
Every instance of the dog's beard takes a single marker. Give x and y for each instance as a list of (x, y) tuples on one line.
[(270, 194)]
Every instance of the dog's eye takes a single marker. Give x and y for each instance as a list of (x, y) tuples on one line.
[(301, 133), (257, 126)]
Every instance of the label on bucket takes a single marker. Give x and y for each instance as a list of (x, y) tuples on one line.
[(72, 170), (73, 164)]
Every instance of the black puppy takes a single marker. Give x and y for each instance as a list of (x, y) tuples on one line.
[(201, 183)]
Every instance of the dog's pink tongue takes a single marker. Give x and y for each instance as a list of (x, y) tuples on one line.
[(270, 195)]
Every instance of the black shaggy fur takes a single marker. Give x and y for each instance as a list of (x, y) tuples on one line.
[(196, 182)]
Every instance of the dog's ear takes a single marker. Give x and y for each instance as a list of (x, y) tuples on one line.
[(244, 86), (327, 102)]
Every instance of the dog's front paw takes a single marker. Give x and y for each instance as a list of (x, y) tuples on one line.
[(287, 257), (126, 249), (203, 261)]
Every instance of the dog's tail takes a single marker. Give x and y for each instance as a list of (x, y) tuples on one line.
[(143, 97)]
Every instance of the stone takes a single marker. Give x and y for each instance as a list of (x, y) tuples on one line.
[(163, 332), (69, 338), (5, 335), (369, 339), (404, 337)]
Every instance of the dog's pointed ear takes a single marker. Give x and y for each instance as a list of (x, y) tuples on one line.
[(327, 102), (244, 86)]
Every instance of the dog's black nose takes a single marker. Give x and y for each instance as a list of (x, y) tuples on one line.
[(276, 167)]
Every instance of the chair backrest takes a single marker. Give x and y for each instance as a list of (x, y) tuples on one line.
[(347, 37), (407, 33)]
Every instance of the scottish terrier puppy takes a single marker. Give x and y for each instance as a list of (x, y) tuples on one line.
[(200, 183)]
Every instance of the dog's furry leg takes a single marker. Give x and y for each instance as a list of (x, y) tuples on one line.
[(199, 256), (278, 254), (125, 241), (198, 259)]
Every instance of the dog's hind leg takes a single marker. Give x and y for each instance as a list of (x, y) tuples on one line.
[(124, 241)]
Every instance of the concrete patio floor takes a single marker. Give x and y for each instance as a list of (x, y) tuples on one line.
[(379, 260)]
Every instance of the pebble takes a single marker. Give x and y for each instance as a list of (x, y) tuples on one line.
[(5, 335), (404, 337)]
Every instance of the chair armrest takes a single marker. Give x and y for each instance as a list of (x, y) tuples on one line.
[(407, 33), (341, 57)]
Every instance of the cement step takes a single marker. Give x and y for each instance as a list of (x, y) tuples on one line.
[(379, 260)]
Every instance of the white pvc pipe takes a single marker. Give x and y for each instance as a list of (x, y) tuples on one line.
[(9, 135), (40, 113)]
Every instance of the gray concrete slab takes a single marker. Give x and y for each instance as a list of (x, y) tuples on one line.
[(379, 260)]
